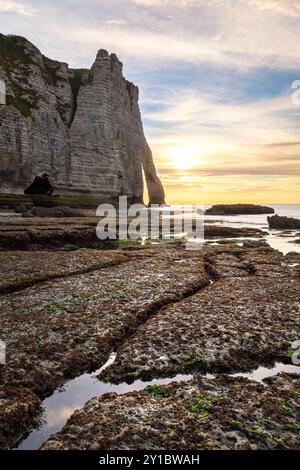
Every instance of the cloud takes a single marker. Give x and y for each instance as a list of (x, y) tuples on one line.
[(286, 7), (196, 114), (116, 22), (236, 34), (284, 144), (10, 6), (242, 43), (195, 135), (155, 3), (231, 33)]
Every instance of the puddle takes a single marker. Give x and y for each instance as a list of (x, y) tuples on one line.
[(62, 404), (285, 245), (262, 373)]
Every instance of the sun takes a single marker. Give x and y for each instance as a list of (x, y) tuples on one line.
[(184, 158)]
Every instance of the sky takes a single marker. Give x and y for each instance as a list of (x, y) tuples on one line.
[(215, 79)]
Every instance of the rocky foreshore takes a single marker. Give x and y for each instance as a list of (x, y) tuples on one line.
[(221, 413), (164, 310), (55, 233), (246, 317)]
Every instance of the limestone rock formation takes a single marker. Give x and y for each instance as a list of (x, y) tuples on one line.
[(82, 127)]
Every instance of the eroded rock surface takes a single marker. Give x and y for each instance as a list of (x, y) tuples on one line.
[(49, 233), (20, 409), (221, 413), (248, 316), (164, 310), (64, 327), (215, 231), (21, 269)]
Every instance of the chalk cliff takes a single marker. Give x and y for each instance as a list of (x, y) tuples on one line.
[(82, 127)]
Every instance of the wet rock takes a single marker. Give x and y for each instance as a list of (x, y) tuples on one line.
[(281, 223), (292, 257), (254, 243), (225, 265), (64, 327), (203, 414), (53, 212), (23, 269), (248, 317), (20, 410), (54, 232), (157, 309), (50, 233), (236, 209), (216, 231), (286, 234)]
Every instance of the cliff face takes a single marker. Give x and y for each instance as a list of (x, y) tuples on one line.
[(82, 127)]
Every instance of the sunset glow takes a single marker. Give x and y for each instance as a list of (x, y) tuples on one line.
[(184, 158)]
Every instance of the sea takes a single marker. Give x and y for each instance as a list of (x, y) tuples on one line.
[(284, 241)]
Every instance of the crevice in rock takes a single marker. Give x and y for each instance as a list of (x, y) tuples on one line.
[(245, 365), (155, 308), (249, 360), (116, 343), (215, 275), (25, 283), (76, 82), (156, 339), (121, 335)]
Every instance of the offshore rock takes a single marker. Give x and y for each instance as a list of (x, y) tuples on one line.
[(283, 223), (237, 209)]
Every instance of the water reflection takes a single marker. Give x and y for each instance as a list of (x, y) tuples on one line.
[(62, 404)]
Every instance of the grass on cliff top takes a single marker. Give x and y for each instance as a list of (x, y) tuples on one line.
[(11, 49)]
